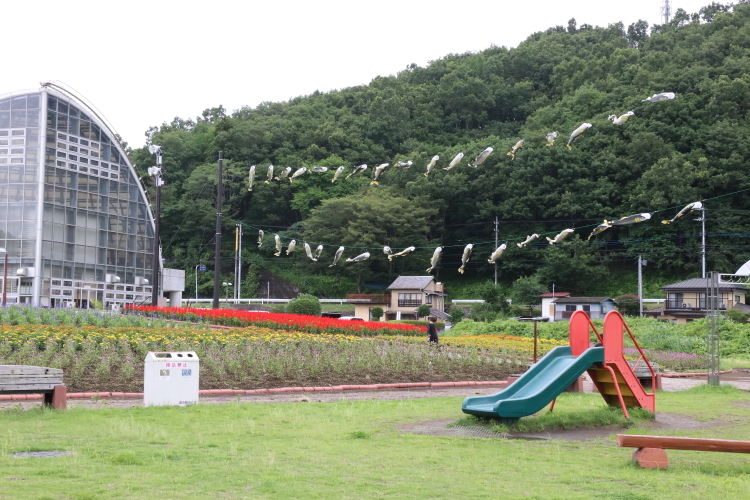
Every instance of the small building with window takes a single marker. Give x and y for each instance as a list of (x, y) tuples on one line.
[(407, 293), (548, 303), (686, 300), (595, 307)]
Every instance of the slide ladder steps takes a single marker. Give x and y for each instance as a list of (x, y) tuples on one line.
[(633, 393), (603, 381)]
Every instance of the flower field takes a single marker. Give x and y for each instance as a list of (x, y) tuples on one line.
[(156, 337), (674, 361), (498, 343), (111, 359), (289, 322), (103, 352)]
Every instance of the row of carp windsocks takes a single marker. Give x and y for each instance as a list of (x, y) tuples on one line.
[(616, 120), (606, 224), (381, 168)]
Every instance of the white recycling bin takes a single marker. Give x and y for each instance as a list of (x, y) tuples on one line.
[(171, 379)]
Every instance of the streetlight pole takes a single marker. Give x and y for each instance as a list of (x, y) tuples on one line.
[(196, 283), (496, 223), (703, 242), (156, 173), (238, 279), (217, 252), (641, 263)]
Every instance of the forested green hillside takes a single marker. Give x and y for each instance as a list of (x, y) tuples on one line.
[(669, 154)]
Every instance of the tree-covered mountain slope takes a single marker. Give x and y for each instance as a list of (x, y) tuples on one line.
[(668, 154)]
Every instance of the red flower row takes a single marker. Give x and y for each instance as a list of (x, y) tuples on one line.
[(297, 322)]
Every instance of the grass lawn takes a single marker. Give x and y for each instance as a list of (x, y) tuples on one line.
[(352, 450)]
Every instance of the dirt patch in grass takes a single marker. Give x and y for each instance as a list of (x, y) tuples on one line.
[(674, 422), (663, 421)]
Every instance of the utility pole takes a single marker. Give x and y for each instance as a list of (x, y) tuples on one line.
[(496, 224), (641, 263), (238, 276), (156, 173), (713, 303), (217, 252), (236, 253), (703, 241)]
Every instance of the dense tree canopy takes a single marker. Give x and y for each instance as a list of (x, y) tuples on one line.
[(667, 155)]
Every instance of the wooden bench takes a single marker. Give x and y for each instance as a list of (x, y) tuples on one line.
[(650, 452), (643, 374), (21, 379)]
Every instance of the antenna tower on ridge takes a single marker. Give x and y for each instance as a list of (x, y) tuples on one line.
[(666, 11)]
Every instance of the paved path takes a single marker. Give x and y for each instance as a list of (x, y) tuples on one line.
[(739, 379)]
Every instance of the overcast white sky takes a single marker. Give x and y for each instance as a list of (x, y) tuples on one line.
[(142, 63)]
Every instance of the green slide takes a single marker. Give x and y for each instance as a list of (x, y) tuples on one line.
[(536, 388)]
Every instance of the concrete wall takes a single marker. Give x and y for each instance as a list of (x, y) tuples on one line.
[(173, 280)]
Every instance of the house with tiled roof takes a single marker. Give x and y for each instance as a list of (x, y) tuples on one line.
[(686, 300), (548, 304), (407, 293), (595, 307)]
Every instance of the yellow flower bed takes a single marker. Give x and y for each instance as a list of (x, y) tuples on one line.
[(42, 334)]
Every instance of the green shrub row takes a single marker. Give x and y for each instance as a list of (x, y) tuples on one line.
[(650, 334), (29, 315)]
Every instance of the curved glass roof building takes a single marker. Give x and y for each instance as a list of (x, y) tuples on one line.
[(74, 219)]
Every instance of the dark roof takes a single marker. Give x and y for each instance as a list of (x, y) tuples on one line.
[(656, 311), (411, 282), (742, 307), (556, 294), (583, 300), (439, 314), (699, 284), (686, 313)]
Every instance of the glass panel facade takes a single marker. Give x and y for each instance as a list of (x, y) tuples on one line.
[(19, 169), (95, 220)]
